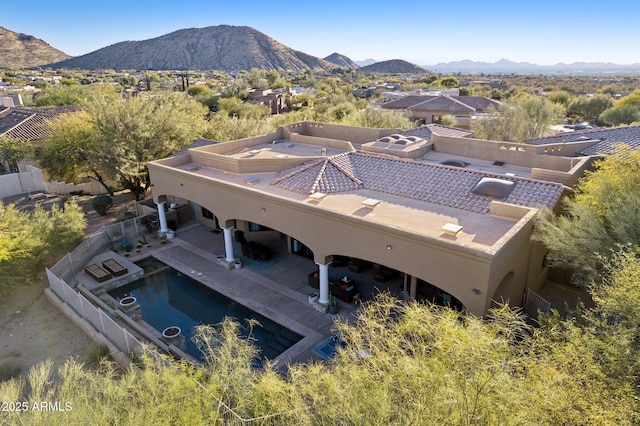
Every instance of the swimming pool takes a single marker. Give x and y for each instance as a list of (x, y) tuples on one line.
[(170, 298)]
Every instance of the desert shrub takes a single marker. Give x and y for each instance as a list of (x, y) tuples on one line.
[(102, 204), (99, 353), (125, 212)]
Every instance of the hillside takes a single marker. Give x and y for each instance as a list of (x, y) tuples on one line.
[(24, 51), (341, 61), (394, 66), (223, 47)]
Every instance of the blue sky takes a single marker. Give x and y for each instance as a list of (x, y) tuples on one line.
[(422, 32)]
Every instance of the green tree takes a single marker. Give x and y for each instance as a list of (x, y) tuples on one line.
[(602, 215), (523, 117), (631, 99), (376, 118), (238, 89), (70, 151), (12, 151), (561, 97), (130, 133), (275, 80), (449, 82), (448, 120), (589, 107), (234, 107), (221, 127), (61, 96), (620, 114), (198, 90), (31, 240)]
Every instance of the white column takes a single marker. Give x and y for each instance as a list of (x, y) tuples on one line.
[(228, 244), (413, 287), (324, 283), (162, 217)]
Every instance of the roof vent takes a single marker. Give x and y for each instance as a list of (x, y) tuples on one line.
[(252, 180), (498, 163), (191, 167), (370, 202), (495, 188), (451, 229), (317, 196)]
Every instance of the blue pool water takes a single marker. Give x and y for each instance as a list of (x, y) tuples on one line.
[(169, 298)]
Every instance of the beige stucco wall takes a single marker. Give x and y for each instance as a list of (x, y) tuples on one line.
[(454, 268), (356, 135)]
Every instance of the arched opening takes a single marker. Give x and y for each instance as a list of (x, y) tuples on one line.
[(503, 293), (427, 292), (353, 279)]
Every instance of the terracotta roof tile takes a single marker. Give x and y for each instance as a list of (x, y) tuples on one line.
[(442, 103), (29, 124), (605, 139), (433, 183)]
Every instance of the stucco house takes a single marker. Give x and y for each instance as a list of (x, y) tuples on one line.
[(450, 214), (27, 124), (594, 142), (430, 109)]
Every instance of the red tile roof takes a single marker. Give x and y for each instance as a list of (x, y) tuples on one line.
[(433, 183)]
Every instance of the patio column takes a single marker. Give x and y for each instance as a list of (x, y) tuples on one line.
[(228, 244), (413, 287), (324, 283), (162, 217)]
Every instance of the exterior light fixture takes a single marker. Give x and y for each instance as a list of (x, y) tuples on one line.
[(389, 247), (475, 291), (263, 209)]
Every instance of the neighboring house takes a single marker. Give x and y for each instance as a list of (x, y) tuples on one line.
[(599, 141), (274, 100), (431, 108), (10, 101), (452, 215), (27, 124)]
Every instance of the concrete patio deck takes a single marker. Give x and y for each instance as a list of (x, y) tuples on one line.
[(276, 289)]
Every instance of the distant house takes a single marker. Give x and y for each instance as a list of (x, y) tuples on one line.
[(431, 108), (274, 100)]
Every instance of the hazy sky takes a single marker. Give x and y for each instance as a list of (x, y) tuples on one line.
[(423, 32)]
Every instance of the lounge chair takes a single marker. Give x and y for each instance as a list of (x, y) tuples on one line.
[(97, 273)]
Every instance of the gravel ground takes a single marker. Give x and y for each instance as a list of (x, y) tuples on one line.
[(33, 330)]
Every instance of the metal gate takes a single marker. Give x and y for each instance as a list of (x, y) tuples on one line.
[(535, 304)]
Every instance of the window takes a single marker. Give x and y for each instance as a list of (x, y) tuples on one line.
[(207, 214), (253, 227)]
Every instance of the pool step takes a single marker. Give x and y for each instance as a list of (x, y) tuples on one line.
[(283, 340)]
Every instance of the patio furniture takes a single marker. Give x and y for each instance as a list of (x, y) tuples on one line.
[(357, 265), (314, 279), (114, 267), (384, 274), (344, 290), (255, 250), (97, 272)]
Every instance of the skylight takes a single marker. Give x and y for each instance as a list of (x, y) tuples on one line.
[(495, 188)]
